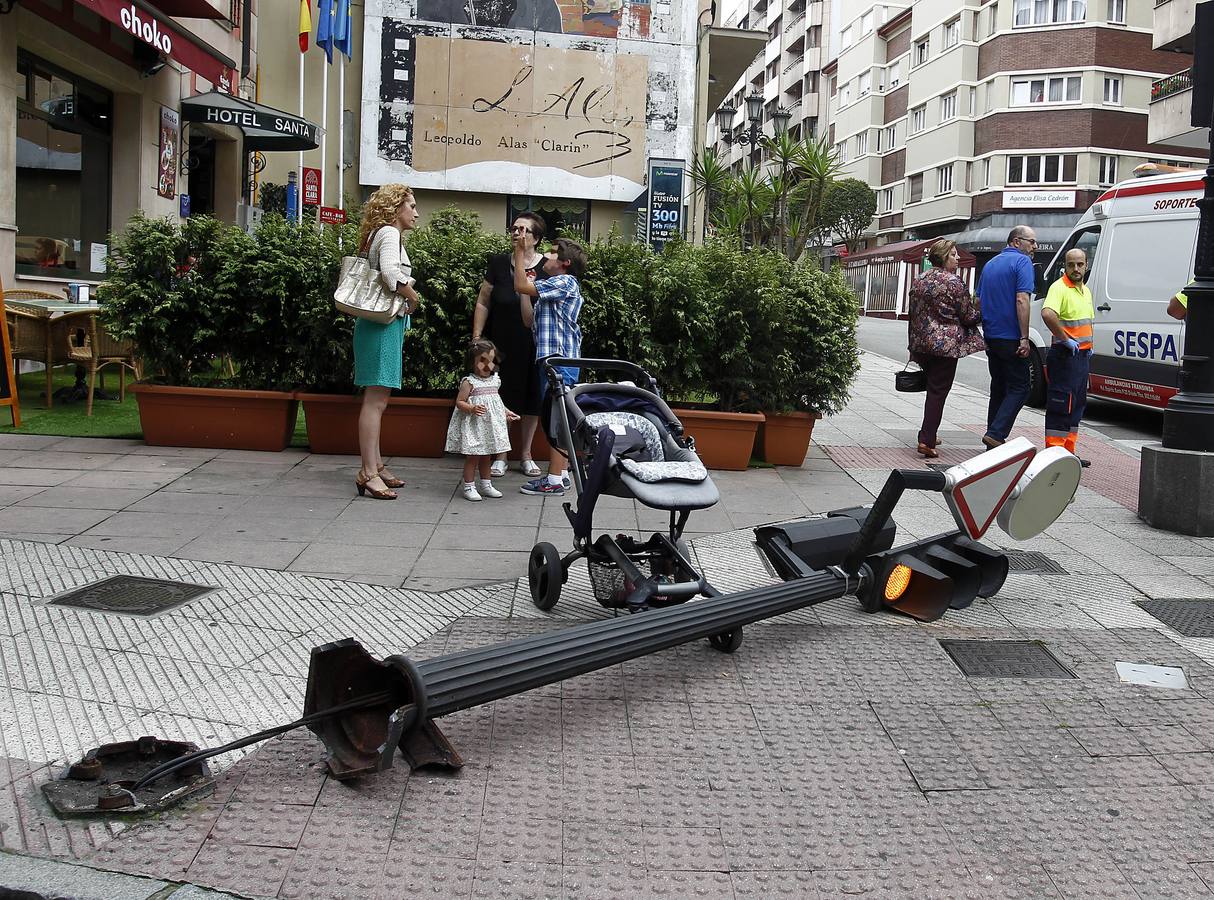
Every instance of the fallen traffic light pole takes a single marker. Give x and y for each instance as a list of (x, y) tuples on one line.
[(365, 709)]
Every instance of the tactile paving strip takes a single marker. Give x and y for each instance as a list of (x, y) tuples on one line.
[(131, 595), (1005, 659), (1032, 562), (1192, 618)]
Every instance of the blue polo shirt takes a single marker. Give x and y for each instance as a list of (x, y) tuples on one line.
[(1002, 278)]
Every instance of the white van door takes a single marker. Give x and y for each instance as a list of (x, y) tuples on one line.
[(1142, 264)]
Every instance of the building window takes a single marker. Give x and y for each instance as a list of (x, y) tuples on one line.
[(845, 38), (948, 107), (918, 119), (986, 172), (866, 22), (811, 127), (845, 95), (921, 49), (952, 33), (1049, 168), (895, 75), (866, 82), (887, 138), (841, 151), (944, 180), (1048, 12), (1117, 12), (1112, 90), (1052, 89), (914, 191), (813, 36), (861, 143), (559, 213), (63, 171), (887, 199), (1108, 170)]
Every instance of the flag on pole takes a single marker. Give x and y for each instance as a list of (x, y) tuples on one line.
[(324, 28), (343, 29), (305, 24)]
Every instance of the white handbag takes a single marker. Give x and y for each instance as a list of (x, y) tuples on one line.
[(361, 293)]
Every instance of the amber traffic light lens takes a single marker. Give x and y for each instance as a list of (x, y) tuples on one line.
[(897, 583)]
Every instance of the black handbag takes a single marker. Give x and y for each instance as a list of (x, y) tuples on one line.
[(908, 381)]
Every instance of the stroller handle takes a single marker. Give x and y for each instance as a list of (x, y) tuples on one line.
[(643, 378)]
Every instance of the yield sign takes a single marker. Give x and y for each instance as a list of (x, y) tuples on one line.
[(979, 487)]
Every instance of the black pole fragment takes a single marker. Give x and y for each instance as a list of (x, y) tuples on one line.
[(402, 698)]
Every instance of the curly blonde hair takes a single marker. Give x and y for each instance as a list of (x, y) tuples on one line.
[(381, 209)]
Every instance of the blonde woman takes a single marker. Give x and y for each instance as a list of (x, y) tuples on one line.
[(389, 213)]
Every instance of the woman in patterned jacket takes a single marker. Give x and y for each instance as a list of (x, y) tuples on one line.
[(943, 328)]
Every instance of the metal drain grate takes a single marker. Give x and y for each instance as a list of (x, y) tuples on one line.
[(1005, 659), (1192, 618), (1032, 562), (131, 595)]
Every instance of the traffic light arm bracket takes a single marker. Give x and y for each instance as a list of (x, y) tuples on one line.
[(899, 480)]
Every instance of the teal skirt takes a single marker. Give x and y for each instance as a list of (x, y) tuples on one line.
[(377, 352)]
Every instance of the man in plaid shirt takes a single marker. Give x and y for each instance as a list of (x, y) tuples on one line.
[(553, 320)]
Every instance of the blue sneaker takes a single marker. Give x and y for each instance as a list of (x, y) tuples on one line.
[(540, 486)]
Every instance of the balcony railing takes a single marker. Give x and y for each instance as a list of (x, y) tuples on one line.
[(792, 65), (1170, 85)]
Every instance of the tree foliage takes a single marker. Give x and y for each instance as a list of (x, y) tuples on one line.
[(848, 210)]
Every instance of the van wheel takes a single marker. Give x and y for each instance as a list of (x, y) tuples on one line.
[(1036, 379)]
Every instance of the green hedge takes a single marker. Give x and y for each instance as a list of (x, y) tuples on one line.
[(744, 328)]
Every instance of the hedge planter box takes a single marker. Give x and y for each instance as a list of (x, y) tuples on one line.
[(723, 440), (216, 418), (412, 426), (784, 437)]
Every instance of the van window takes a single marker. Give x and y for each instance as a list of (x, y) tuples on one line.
[(1154, 258), (1086, 241)]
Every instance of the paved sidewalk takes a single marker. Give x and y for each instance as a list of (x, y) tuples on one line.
[(835, 754)]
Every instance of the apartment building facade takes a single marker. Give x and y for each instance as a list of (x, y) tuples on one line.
[(787, 75), (1172, 95), (968, 118)]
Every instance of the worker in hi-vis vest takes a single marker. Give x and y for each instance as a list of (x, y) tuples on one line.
[(1068, 314)]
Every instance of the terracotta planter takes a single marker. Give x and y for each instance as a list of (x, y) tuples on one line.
[(216, 418), (784, 437), (412, 426), (540, 448), (723, 440)]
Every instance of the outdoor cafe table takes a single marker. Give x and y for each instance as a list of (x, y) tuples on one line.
[(48, 314)]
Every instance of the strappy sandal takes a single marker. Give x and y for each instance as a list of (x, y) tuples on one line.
[(529, 468), (363, 488), (390, 480)]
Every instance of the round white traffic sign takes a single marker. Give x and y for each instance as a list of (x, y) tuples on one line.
[(1042, 493)]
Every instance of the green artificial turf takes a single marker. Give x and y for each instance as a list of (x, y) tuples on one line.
[(110, 418)]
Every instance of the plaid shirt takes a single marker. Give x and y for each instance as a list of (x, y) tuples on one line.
[(556, 310)]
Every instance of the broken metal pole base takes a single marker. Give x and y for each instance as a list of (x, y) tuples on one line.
[(398, 698), (101, 784)]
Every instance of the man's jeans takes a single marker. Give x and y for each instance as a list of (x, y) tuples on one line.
[(1009, 386)]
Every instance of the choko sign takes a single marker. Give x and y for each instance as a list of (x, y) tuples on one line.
[(167, 38)]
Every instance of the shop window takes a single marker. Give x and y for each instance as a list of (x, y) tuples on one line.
[(563, 217), (62, 172)]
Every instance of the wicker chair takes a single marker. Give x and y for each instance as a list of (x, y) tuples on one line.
[(37, 336), (99, 350)]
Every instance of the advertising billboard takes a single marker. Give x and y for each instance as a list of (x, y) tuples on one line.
[(526, 97)]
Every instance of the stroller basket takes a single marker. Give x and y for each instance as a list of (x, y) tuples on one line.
[(607, 582)]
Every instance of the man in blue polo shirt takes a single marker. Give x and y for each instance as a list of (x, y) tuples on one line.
[(1005, 288)]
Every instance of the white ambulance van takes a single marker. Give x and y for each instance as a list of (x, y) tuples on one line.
[(1140, 238)]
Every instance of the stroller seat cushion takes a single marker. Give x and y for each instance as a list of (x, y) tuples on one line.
[(637, 439), (653, 472)]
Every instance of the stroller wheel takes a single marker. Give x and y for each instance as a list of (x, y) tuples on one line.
[(545, 575), (726, 642)]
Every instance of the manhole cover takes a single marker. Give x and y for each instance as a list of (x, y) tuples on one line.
[(1004, 659), (1192, 618), (131, 595), (1031, 562)]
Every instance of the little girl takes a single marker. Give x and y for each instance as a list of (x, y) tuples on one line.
[(478, 425)]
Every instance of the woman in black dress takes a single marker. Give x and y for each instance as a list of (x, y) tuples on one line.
[(498, 317)]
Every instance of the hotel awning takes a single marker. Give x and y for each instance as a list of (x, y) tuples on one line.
[(264, 127)]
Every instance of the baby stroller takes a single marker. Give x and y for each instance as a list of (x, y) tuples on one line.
[(622, 440)]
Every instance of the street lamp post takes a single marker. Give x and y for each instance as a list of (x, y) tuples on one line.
[(1176, 479), (754, 114)]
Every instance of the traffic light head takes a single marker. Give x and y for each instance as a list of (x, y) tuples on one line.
[(926, 579)]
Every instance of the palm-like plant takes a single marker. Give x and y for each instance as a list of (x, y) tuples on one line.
[(711, 178)]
